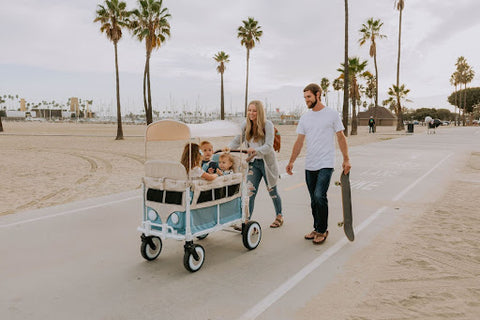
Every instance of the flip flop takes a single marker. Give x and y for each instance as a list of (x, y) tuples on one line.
[(320, 237)]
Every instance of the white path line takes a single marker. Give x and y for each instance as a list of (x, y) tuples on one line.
[(67, 212), (270, 299), (266, 302), (410, 187)]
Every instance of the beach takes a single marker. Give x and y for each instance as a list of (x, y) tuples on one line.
[(424, 266), (45, 164)]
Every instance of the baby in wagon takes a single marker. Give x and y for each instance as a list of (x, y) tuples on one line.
[(225, 164), (192, 162), (209, 160)]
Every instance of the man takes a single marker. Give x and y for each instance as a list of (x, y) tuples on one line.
[(371, 125), (318, 126)]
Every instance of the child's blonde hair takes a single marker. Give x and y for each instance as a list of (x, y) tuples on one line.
[(229, 157), (196, 157), (204, 142)]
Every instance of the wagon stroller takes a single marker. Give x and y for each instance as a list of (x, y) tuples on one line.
[(178, 207)]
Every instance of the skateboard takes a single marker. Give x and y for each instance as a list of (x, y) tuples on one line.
[(347, 206)]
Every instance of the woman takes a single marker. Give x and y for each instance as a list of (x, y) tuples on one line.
[(258, 134)]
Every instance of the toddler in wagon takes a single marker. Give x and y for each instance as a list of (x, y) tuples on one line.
[(225, 164), (192, 159)]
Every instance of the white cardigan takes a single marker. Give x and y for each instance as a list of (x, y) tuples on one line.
[(265, 151)]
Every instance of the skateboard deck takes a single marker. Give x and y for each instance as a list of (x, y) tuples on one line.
[(347, 222)]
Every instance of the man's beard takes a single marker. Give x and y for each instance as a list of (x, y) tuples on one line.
[(313, 104)]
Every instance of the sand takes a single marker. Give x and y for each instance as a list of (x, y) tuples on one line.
[(426, 267), (45, 164), (420, 271)]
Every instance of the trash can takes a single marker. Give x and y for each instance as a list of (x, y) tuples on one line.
[(410, 128)]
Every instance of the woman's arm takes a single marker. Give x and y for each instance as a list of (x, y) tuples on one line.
[(237, 141)]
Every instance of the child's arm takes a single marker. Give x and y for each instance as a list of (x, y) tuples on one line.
[(209, 176)]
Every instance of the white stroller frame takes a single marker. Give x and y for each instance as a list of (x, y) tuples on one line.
[(178, 207)]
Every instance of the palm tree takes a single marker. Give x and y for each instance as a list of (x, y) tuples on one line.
[(337, 86), (396, 92), (150, 23), (370, 91), (346, 75), (371, 31), (113, 15), (222, 58), (355, 71), (454, 81), (325, 84), (399, 4), (465, 75), (249, 34)]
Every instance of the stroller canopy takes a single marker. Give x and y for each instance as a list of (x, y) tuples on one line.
[(171, 130)]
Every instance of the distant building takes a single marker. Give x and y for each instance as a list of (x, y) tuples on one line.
[(22, 105), (383, 117), (74, 107)]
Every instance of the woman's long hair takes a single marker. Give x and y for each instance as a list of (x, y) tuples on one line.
[(256, 130), (196, 156)]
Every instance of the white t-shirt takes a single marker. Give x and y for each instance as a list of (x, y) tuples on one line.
[(196, 172), (319, 128)]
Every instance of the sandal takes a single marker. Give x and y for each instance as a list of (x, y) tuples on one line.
[(278, 222), (320, 237), (311, 235), (236, 227)]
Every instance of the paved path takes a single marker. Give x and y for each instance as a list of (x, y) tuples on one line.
[(82, 260)]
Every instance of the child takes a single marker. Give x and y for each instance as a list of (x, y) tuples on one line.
[(225, 163), (191, 162), (209, 160)]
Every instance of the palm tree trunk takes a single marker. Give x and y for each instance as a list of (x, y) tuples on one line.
[(464, 105), (456, 105), (353, 131), (1, 125), (376, 91), (345, 80), (150, 110), (400, 125), (222, 102), (246, 84), (376, 79), (145, 105), (119, 111)]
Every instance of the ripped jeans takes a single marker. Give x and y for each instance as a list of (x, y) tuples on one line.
[(256, 170)]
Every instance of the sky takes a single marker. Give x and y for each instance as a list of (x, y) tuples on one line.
[(52, 50)]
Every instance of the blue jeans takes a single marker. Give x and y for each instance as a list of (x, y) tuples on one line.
[(318, 182), (256, 170)]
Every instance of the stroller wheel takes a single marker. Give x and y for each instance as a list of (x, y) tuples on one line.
[(190, 262), (251, 234), (151, 247)]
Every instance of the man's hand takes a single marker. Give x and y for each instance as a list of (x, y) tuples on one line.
[(289, 168), (346, 166)]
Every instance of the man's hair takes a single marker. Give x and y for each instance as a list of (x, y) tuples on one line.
[(314, 88)]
